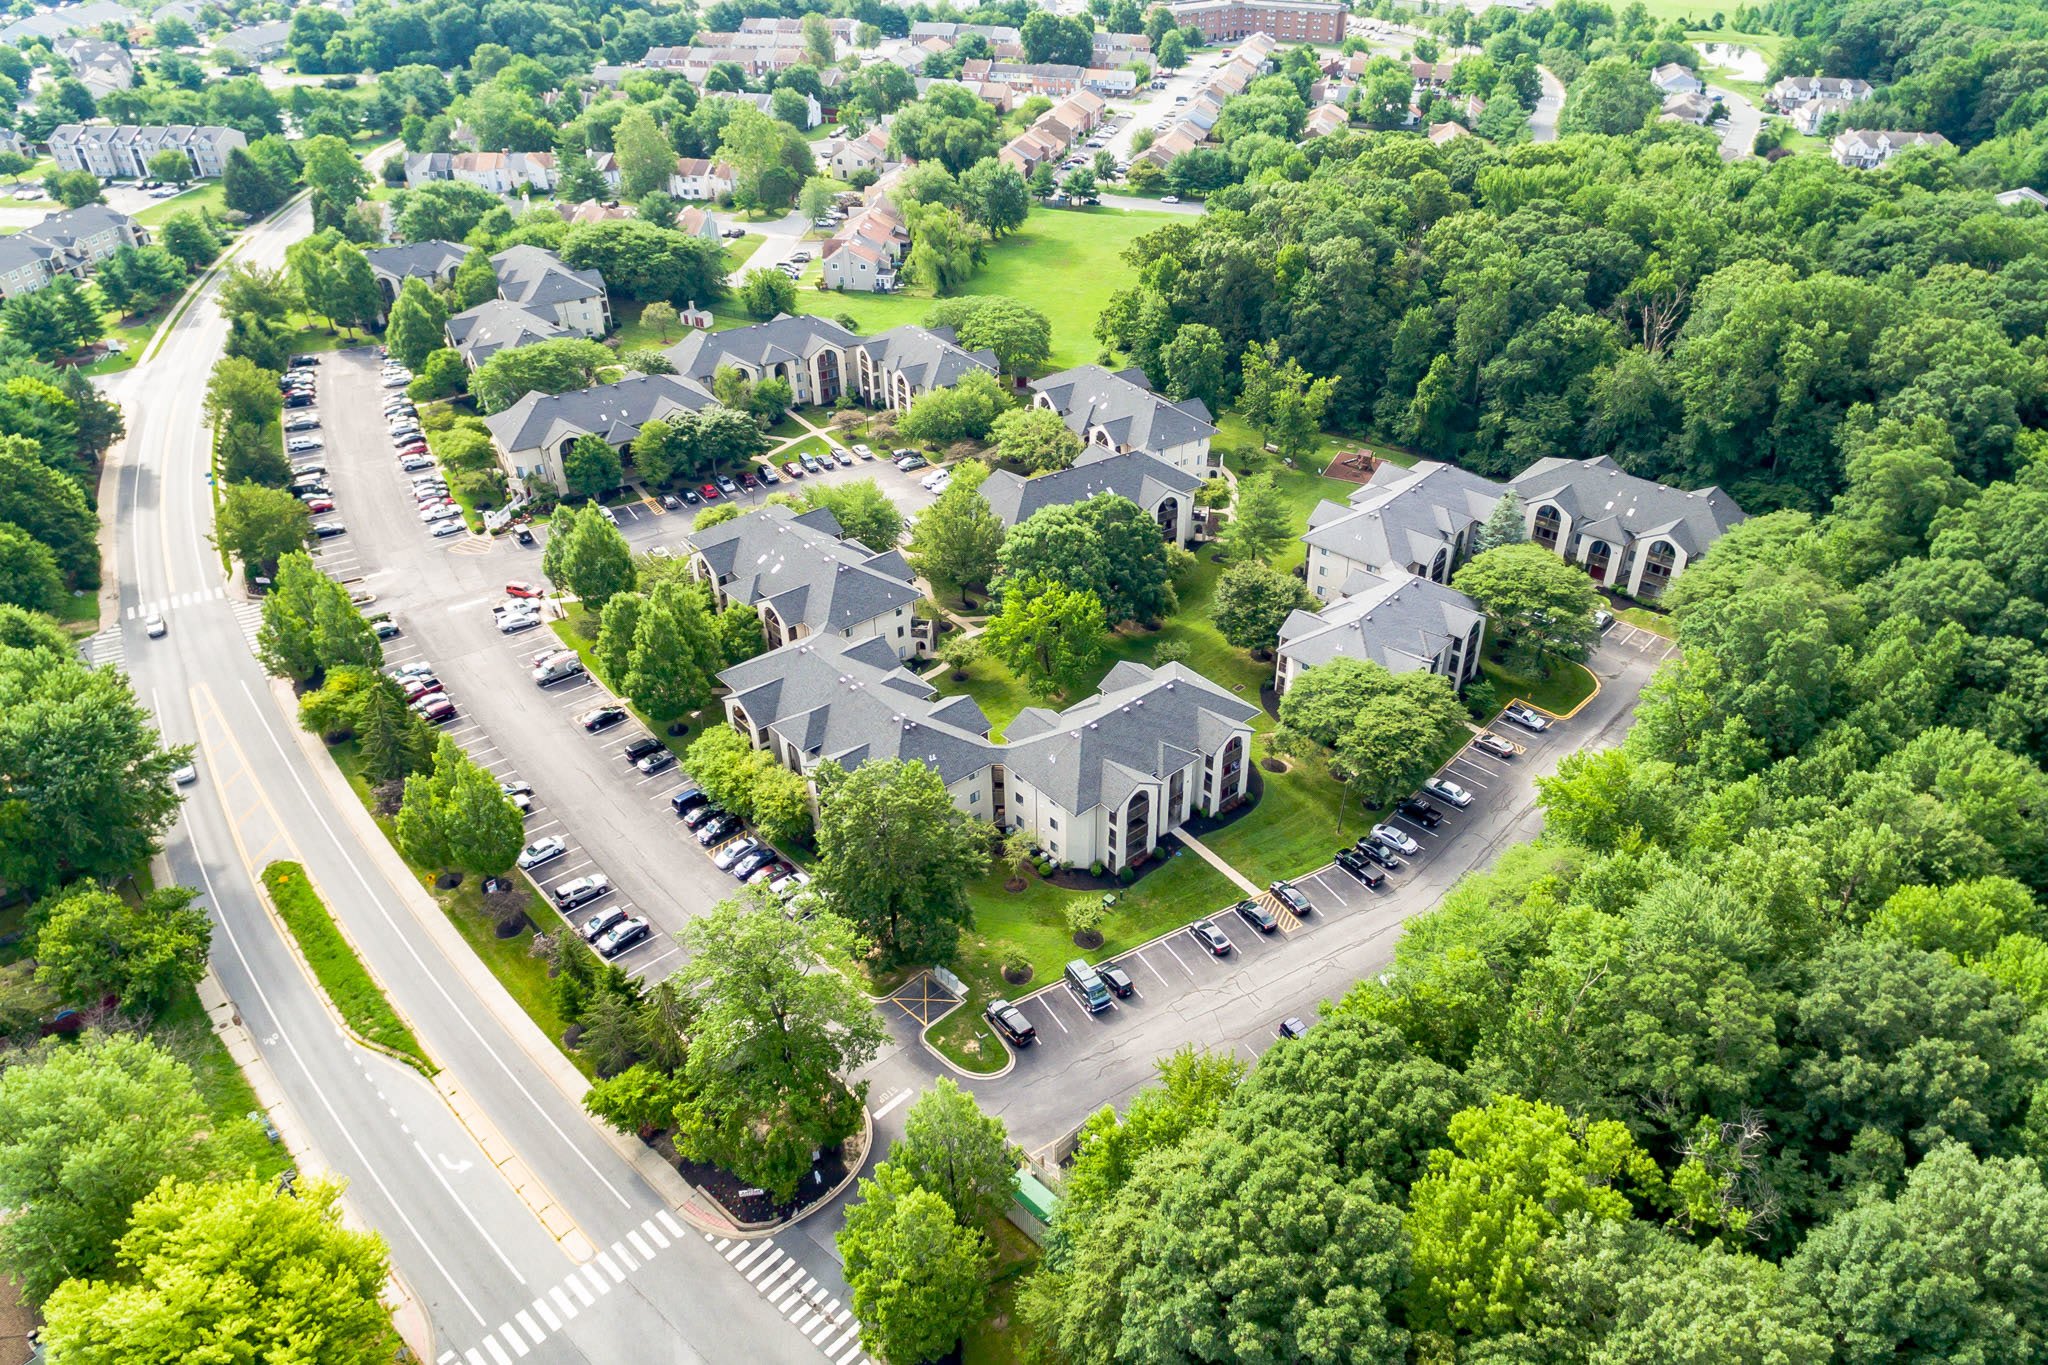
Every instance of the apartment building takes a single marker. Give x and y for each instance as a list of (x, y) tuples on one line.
[(122, 151)]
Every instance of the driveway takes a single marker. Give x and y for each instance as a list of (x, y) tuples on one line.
[(1738, 131), (1235, 1003), (1549, 104)]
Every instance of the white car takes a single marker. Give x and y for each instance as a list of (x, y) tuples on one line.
[(734, 851), (1396, 839), (1446, 790), (790, 883), (936, 481), (397, 382), (186, 775), (514, 622), (154, 624), (443, 529), (302, 445), (1525, 717), (1169, 199), (542, 851)]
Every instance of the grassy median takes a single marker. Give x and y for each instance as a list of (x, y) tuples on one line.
[(341, 973)]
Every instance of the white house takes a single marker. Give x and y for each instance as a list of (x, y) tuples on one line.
[(698, 178), (1632, 535), (1119, 412), (539, 281), (1419, 521), (1792, 91), (534, 435), (122, 151), (1673, 79), (805, 579), (1163, 492), (1404, 623), (822, 361), (67, 243), (1867, 149)]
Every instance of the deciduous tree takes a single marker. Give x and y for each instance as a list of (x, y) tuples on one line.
[(418, 324), (1036, 438), (1048, 634), (919, 1278), (956, 539), (950, 1147), (896, 855), (863, 511), (1252, 601), (92, 943), (1539, 607)]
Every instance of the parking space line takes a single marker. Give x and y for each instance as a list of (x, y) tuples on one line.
[(652, 960), (1052, 1013), (1465, 757), (1150, 968), (1177, 958)]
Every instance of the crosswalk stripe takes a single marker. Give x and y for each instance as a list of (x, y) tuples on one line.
[(824, 1330), (532, 1328), (547, 1315), (789, 1267), (445, 1357), (640, 1245), (852, 1331), (611, 1267), (584, 1294), (755, 1273), (497, 1351), (597, 1281), (675, 1229), (748, 1259), (562, 1300), (511, 1339), (654, 1233), (474, 1357)]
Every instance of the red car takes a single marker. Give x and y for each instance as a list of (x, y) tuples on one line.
[(710, 492), (520, 588), (320, 505), (749, 482)]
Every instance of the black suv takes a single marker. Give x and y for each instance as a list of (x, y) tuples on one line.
[(1290, 896), (1379, 853), (638, 749), (1117, 979), (687, 800), (1421, 812), (1011, 1023)]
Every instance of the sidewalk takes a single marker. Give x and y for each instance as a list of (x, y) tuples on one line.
[(1215, 860)]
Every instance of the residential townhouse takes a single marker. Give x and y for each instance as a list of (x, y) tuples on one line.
[(538, 280), (11, 141), (1324, 120), (595, 211), (1119, 413), (52, 24), (697, 223), (823, 362), (1631, 534), (2024, 196), (1419, 521), (534, 435), (867, 153), (1055, 131), (498, 172), (1102, 781), (432, 261), (697, 177), (67, 243), (101, 67), (814, 113), (1121, 49), (1164, 492), (806, 580), (1048, 78), (1674, 79), (1792, 91), (864, 252), (122, 151), (256, 43), (1287, 21), (481, 332), (1404, 623), (998, 36), (1688, 107), (1867, 149), (1807, 118)]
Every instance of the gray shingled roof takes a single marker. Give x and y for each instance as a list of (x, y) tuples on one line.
[(1404, 516), (1606, 501), (799, 566), (783, 339), (1398, 620), (613, 411), (416, 260), (1144, 724), (537, 279), (483, 331), (928, 357), (1089, 396), (1135, 475), (65, 230), (851, 700)]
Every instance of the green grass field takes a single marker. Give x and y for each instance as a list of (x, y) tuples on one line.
[(239, 1145), (1642, 618), (1065, 263), (342, 975), (1560, 693), (210, 195)]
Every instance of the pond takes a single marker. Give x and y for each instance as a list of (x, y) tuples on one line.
[(1743, 63)]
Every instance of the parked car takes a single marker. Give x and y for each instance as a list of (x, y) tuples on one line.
[(1009, 1021), (512, 622), (519, 587), (810, 463), (793, 469), (623, 936), (739, 848), (1293, 1026), (791, 882), (653, 763), (687, 800), (328, 530), (1446, 790), (386, 629), (639, 747), (1257, 916), (1420, 811), (317, 504), (726, 485), (754, 861), (1379, 853), (1289, 895), (1354, 862), (909, 461), (603, 922), (1397, 839), (717, 829), (435, 710), (1526, 717), (1487, 742), (601, 718), (1212, 939), (154, 625), (697, 816), (452, 527), (769, 476), (582, 890), (1117, 979)]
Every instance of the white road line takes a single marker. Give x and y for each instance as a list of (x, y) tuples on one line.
[(474, 1358), (1465, 757), (1052, 1013), (1467, 777), (891, 1105), (597, 1281), (575, 1282), (1149, 967), (646, 1251), (497, 1351), (849, 1354), (547, 1315), (852, 1330), (530, 1327), (748, 1259), (675, 1229), (511, 1339), (562, 1304), (1176, 957), (823, 1329), (654, 1233), (772, 1286), (445, 1357), (755, 1273)]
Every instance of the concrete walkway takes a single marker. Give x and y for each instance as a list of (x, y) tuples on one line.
[(1215, 860)]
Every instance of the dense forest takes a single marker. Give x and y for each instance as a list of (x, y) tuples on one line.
[(1743, 1060)]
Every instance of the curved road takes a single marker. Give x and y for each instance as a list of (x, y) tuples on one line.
[(610, 1278)]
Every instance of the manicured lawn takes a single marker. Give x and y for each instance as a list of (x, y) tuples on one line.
[(995, 1340), (1642, 618), (1065, 263), (342, 975), (740, 250), (1304, 485), (1567, 686), (79, 612), (239, 1144), (1294, 827), (210, 195)]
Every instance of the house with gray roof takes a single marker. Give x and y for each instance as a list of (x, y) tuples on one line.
[(1866, 149), (533, 436), (433, 261), (101, 67), (1101, 781), (822, 361), (1165, 493), (53, 23), (481, 332), (256, 43), (1119, 412), (66, 243), (1418, 521), (122, 151), (543, 284), (1633, 535), (805, 579), (1404, 623)]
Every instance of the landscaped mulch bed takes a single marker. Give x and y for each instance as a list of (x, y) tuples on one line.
[(1202, 826), (725, 1187)]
